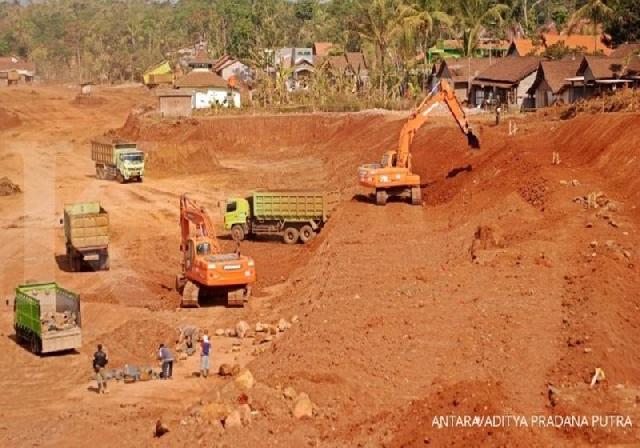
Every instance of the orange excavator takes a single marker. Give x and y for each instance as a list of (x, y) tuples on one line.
[(205, 270), (394, 176)]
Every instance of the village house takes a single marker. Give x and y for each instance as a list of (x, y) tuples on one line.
[(209, 90), (506, 82), (14, 71), (322, 49), (227, 67), (352, 66), (626, 50), (460, 72), (175, 102), (577, 43), (597, 74), (297, 64), (448, 48), (552, 83)]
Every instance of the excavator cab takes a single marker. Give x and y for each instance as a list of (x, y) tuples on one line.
[(389, 159)]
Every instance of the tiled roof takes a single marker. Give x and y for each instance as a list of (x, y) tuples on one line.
[(556, 73), (463, 68), (576, 41), (14, 63), (199, 79), (510, 69), (625, 50)]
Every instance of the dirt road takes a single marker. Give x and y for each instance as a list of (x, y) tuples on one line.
[(500, 296)]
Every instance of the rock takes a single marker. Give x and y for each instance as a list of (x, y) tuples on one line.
[(230, 332), (626, 253), (260, 327), (245, 414), (588, 350), (610, 244), (235, 369), (219, 332), (235, 348), (588, 225), (283, 325), (575, 182), (289, 393), (295, 319), (245, 380), (160, 429), (225, 370), (241, 329), (233, 420), (215, 412), (303, 407), (182, 357), (593, 244), (273, 329), (613, 223)]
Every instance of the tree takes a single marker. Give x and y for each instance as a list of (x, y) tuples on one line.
[(624, 23), (594, 10), (473, 16)]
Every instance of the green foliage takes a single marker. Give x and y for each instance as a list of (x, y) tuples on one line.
[(624, 23)]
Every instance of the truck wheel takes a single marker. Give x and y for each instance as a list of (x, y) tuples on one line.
[(71, 262), (416, 196), (140, 179), (237, 232), (307, 233), (291, 235), (35, 345), (381, 197), (105, 264), (119, 178), (99, 173)]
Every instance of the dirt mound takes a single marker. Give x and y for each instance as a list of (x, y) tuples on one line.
[(174, 159), (8, 188), (88, 100), (8, 120), (136, 342), (622, 100)]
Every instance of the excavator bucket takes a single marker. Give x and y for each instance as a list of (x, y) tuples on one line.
[(472, 140)]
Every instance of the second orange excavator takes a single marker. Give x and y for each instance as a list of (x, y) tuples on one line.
[(206, 271), (393, 176)]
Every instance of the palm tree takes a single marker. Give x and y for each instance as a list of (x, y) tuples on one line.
[(382, 22), (474, 16), (594, 10)]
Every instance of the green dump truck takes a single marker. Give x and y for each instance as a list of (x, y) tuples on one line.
[(86, 230), (295, 216), (47, 318), (117, 160)]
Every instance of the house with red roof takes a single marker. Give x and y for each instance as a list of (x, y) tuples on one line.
[(14, 70)]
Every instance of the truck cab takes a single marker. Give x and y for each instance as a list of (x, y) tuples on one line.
[(237, 216), (130, 162)]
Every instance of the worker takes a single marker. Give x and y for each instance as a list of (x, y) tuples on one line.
[(188, 334), (205, 350), (166, 357), (498, 111), (100, 361)]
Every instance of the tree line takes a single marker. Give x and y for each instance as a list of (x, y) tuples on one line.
[(117, 40)]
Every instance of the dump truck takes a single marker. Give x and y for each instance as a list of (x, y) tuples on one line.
[(86, 230), (118, 160), (296, 216), (47, 318)]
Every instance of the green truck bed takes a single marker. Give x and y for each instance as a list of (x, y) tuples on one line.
[(86, 225), (47, 317), (292, 206)]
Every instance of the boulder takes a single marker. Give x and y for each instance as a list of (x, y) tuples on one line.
[(303, 407), (244, 380), (283, 325), (230, 332), (215, 412), (245, 414), (241, 329), (273, 330), (261, 327), (289, 393), (224, 370), (295, 319), (233, 420), (219, 332)]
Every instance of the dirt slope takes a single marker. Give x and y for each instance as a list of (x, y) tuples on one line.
[(501, 285)]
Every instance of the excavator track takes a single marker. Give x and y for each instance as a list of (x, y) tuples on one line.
[(190, 295), (238, 296)]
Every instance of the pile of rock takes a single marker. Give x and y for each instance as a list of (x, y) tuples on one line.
[(58, 321), (8, 188), (261, 332)]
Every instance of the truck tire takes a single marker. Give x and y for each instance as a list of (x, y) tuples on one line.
[(307, 233), (416, 196), (237, 232), (105, 264), (34, 344), (71, 262), (99, 172), (119, 177), (140, 179), (291, 235), (381, 197)]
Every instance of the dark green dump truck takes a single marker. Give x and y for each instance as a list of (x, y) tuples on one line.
[(47, 318), (294, 215)]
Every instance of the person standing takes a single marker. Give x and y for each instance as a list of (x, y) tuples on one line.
[(205, 350), (100, 361), (167, 361)]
